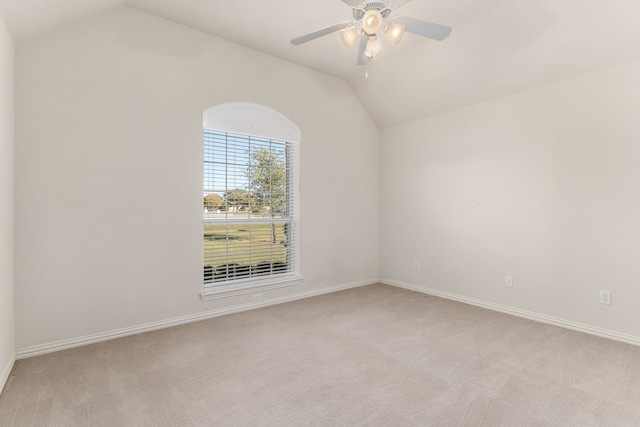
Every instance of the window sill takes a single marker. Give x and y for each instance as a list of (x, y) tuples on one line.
[(250, 287)]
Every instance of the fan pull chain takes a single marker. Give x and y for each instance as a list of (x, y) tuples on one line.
[(366, 68)]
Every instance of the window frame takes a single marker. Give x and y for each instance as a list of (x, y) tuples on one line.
[(283, 127)]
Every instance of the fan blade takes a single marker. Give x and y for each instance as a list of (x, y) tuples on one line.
[(362, 60), (424, 28), (354, 3), (320, 33), (395, 4)]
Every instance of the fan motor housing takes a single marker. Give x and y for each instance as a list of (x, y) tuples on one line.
[(375, 5), (360, 12)]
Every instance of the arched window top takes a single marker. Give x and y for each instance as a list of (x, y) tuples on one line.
[(251, 119)]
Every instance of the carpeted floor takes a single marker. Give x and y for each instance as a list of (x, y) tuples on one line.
[(372, 356)]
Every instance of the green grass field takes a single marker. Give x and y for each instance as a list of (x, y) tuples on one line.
[(243, 243)]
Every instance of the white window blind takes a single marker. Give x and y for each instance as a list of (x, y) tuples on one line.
[(250, 199)]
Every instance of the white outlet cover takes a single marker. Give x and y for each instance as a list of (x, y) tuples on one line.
[(508, 281)]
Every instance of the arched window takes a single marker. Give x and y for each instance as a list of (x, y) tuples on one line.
[(250, 198)]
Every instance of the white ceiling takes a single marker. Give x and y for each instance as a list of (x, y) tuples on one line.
[(497, 47)]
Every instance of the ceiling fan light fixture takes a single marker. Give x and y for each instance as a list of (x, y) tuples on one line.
[(372, 22), (371, 17), (395, 32), (349, 36), (373, 48)]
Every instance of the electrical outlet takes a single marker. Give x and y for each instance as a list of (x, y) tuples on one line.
[(508, 281), (257, 297), (416, 265), (605, 297)]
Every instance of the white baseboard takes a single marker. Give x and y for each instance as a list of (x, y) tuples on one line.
[(542, 318), (37, 350), (168, 323), (6, 371)]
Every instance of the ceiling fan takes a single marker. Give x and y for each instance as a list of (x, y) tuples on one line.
[(369, 18)]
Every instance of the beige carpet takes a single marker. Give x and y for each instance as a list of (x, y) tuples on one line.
[(373, 356)]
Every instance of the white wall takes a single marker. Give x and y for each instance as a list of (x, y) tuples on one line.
[(108, 173), (542, 185), (7, 316)]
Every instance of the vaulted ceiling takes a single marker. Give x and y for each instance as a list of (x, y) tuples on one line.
[(497, 47)]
